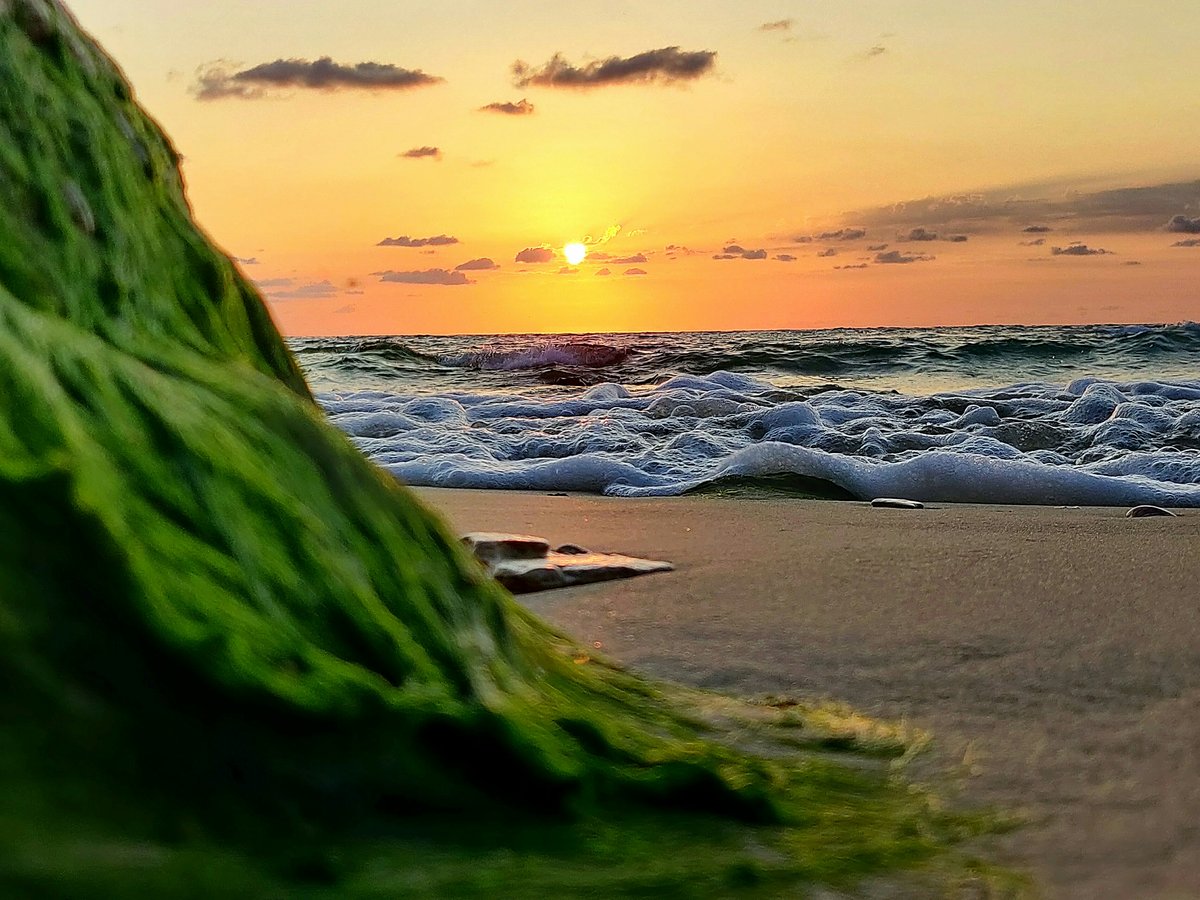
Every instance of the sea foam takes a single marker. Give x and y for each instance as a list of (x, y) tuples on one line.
[(1092, 442)]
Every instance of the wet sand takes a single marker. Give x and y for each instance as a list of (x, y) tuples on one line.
[(1053, 653)]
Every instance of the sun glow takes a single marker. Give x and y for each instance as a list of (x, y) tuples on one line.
[(574, 253)]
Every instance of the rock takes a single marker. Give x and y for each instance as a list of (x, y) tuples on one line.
[(568, 569), (1146, 511), (524, 564), (490, 547), (897, 503)]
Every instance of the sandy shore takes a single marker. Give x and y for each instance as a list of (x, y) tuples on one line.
[(1054, 653)]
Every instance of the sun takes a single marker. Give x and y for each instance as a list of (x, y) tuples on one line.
[(575, 252)]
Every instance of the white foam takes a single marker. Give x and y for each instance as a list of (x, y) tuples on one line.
[(1093, 443)]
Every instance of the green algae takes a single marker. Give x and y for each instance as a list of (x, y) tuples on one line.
[(238, 659)]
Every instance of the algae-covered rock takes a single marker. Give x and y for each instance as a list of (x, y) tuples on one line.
[(222, 628)]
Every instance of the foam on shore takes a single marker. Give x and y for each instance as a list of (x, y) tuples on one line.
[(1092, 442)]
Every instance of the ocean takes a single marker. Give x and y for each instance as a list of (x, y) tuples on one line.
[(1058, 415)]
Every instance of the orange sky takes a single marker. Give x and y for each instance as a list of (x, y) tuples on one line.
[(1002, 116)]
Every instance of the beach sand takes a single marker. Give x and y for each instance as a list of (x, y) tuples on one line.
[(1054, 654)]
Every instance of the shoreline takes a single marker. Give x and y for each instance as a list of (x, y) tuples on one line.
[(1050, 651)]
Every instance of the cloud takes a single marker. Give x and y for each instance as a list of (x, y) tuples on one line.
[(1054, 205), (785, 257), (736, 251), (438, 240), (427, 276), (865, 266), (534, 255), (477, 265), (875, 248), (520, 108), (1188, 242), (1131, 262), (609, 233), (877, 50), (433, 153), (1078, 249), (219, 80), (630, 260), (246, 260), (567, 270), (781, 25), (1184, 225), (667, 65), (604, 271), (842, 234), (1036, 242), (920, 234), (956, 238), (288, 289), (829, 251), (635, 271), (895, 256)]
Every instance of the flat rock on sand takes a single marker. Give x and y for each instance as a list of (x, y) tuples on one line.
[(525, 564)]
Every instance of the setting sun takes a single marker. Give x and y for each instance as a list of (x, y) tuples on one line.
[(574, 253)]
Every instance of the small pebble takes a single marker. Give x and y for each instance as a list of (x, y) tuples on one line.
[(1142, 512), (897, 503)]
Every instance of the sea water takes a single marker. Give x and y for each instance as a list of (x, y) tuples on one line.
[(1087, 415)]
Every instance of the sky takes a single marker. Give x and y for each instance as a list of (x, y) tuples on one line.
[(412, 168)]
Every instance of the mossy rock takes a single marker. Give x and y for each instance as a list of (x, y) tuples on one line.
[(239, 659)]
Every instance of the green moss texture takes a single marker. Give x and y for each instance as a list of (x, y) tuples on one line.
[(238, 659)]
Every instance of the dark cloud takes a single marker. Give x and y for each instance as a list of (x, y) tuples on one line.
[(1078, 249), (1131, 262), (246, 260), (842, 234), (635, 271), (668, 65), (520, 108), (603, 271), (1188, 242), (534, 255), (781, 25), (438, 240), (876, 248), (736, 251), (1184, 225), (920, 234), (289, 289), (877, 50), (1052, 205), (865, 266), (427, 276), (567, 270), (956, 238), (218, 80), (1036, 242), (434, 153), (629, 260), (785, 257), (895, 256), (477, 265), (829, 251)]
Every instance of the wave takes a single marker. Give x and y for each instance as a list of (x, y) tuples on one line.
[(907, 357), (1092, 442)]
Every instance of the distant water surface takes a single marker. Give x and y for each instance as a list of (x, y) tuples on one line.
[(1079, 414)]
